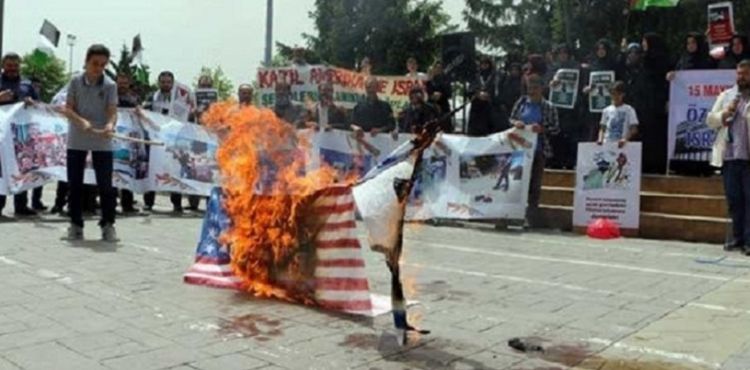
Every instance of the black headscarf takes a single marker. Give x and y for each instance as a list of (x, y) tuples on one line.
[(609, 62), (731, 59), (699, 59)]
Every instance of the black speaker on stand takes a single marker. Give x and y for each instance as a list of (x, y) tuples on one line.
[(458, 56)]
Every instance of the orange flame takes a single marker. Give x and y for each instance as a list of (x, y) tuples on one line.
[(267, 191)]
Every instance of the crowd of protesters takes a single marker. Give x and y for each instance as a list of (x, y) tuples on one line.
[(502, 97)]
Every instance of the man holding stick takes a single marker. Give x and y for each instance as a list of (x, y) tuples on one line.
[(91, 108)]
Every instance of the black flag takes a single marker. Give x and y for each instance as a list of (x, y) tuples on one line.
[(50, 32), (137, 46)]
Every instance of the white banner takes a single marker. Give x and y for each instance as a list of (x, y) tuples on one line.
[(461, 177), (691, 96), (608, 184)]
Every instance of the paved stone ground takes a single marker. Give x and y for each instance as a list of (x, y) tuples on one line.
[(625, 304)]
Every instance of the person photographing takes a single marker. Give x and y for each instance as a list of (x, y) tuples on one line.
[(91, 109)]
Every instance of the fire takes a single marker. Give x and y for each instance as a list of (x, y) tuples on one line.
[(267, 189)]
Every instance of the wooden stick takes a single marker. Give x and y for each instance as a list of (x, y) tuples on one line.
[(137, 140)]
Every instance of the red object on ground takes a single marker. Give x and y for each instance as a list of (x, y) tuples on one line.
[(603, 228)]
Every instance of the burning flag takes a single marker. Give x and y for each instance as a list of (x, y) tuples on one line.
[(279, 230)]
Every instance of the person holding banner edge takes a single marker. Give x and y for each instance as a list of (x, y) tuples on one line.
[(731, 152), (91, 108), (13, 89), (536, 113)]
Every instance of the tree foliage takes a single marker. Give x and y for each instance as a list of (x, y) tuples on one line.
[(386, 31), (48, 69), (519, 27), (139, 73), (222, 83)]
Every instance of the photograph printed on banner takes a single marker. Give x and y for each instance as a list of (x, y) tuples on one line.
[(347, 165), (494, 178), (564, 91), (38, 146), (131, 158), (599, 84), (607, 169), (426, 185)]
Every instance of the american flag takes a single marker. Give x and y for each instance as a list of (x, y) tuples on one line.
[(341, 283)]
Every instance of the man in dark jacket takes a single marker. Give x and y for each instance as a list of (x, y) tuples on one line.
[(372, 114), (418, 113)]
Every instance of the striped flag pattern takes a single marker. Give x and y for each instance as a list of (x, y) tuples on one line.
[(341, 283)]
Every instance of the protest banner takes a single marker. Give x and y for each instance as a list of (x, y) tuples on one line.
[(691, 96), (187, 162), (132, 158), (5, 142), (608, 185), (348, 86), (35, 147), (461, 177), (720, 23), (599, 97), (565, 93)]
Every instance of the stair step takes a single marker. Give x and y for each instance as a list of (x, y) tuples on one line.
[(653, 225), (653, 202), (650, 183)]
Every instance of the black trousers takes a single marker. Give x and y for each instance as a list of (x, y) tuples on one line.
[(126, 199), (21, 200), (103, 163), (149, 198)]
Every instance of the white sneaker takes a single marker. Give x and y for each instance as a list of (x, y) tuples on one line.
[(74, 233), (109, 234)]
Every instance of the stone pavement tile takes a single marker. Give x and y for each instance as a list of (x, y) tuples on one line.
[(11, 327), (736, 363), (84, 320), (536, 364), (6, 365), (485, 360), (284, 356), (34, 336), (479, 323), (156, 359), (50, 355), (233, 361), (144, 337), (119, 350), (87, 342)]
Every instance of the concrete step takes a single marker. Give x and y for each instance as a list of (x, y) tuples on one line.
[(650, 183), (653, 225), (652, 202)]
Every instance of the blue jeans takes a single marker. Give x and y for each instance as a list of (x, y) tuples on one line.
[(736, 174)]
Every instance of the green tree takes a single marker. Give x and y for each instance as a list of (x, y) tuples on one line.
[(139, 73), (222, 83), (48, 69), (386, 31), (519, 27)]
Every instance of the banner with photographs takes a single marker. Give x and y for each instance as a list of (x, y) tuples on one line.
[(461, 177), (35, 147), (187, 162), (691, 97), (204, 98), (348, 86), (599, 83), (564, 92), (608, 184), (5, 112)]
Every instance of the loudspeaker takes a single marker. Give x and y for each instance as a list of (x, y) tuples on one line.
[(458, 56)]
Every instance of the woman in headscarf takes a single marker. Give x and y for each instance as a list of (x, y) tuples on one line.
[(482, 118), (736, 52), (604, 59), (653, 112), (695, 57)]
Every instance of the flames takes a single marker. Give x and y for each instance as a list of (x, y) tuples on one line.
[(267, 189)]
